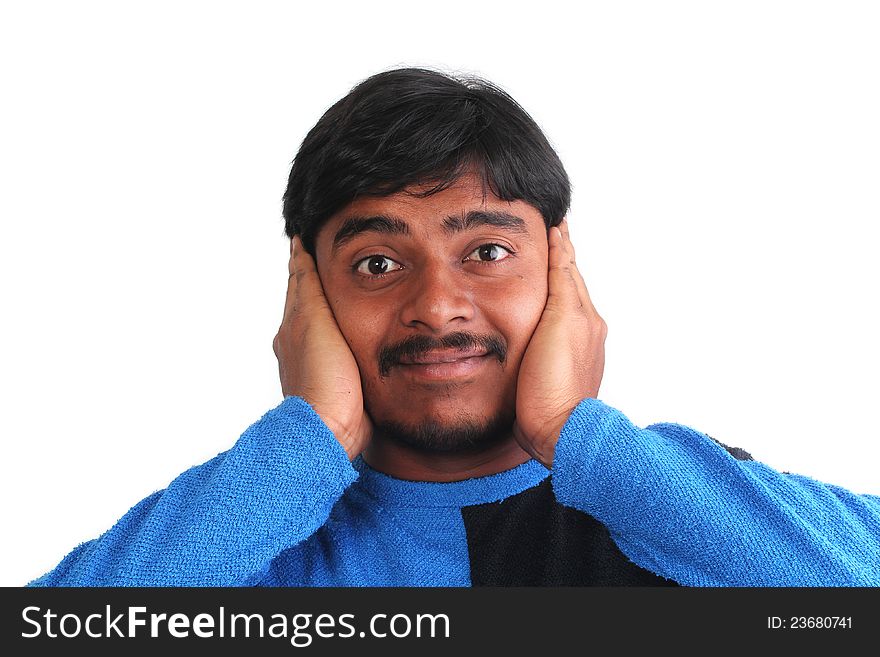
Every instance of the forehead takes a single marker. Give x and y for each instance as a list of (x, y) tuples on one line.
[(439, 214)]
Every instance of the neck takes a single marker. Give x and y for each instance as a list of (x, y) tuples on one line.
[(405, 462)]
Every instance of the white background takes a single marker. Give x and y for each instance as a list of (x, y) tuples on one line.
[(725, 165)]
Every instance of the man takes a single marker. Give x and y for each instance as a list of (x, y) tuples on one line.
[(440, 360)]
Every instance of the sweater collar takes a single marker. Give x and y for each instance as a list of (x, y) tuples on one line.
[(479, 490)]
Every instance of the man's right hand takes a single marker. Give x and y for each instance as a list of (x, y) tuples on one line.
[(314, 360)]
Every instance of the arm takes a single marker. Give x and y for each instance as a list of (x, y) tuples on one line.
[(221, 523), (677, 503)]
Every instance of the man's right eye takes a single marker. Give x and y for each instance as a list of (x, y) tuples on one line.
[(376, 266)]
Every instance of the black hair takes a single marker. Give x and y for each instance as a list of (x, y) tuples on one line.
[(415, 126)]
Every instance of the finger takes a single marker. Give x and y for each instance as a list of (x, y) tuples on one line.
[(290, 262), (305, 272), (575, 274), (561, 281), (563, 227), (290, 297), (583, 293)]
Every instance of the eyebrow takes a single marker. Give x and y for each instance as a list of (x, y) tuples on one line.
[(476, 218), (356, 225)]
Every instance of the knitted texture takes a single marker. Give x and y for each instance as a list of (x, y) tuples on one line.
[(285, 507), (677, 503), (221, 523)]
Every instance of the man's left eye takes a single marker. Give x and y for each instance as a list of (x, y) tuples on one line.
[(489, 253)]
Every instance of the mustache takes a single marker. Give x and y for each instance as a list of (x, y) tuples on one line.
[(418, 345)]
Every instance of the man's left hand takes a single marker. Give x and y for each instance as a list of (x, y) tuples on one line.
[(565, 359)]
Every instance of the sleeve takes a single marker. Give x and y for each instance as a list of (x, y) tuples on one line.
[(221, 523), (676, 502)]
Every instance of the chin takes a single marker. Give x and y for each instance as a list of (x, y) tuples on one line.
[(438, 434)]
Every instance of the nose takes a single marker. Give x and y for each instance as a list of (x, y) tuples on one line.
[(437, 299)]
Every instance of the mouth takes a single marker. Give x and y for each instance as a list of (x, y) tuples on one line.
[(443, 356), (445, 365)]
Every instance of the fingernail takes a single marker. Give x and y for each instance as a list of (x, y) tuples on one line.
[(558, 232)]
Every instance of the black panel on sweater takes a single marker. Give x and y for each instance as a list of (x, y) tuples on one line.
[(530, 539), (736, 452)]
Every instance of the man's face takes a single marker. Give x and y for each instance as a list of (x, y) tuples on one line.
[(437, 298)]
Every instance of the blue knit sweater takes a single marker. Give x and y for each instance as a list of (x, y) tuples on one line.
[(285, 507)]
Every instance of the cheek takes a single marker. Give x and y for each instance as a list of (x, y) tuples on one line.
[(523, 306), (513, 307), (363, 325)]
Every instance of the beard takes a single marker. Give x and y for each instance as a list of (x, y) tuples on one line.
[(460, 436)]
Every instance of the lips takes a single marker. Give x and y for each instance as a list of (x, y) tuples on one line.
[(444, 367), (443, 356)]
